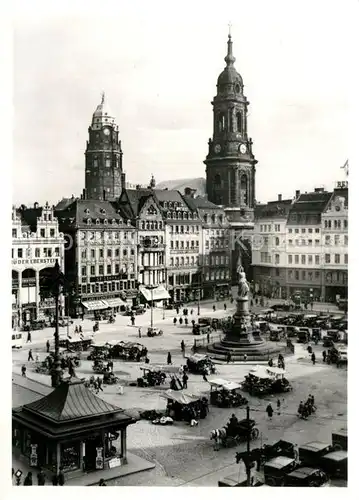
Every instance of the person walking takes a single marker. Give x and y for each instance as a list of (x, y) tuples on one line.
[(183, 348), (55, 480), (205, 377), (30, 358), (61, 477), (169, 359), (80, 329), (229, 358), (28, 479), (184, 380), (99, 384), (41, 478), (139, 332), (214, 307), (175, 320), (225, 306), (47, 346), (208, 338), (186, 321), (191, 312), (245, 357), (133, 320), (269, 411), (324, 356), (278, 406), (180, 321), (313, 358)]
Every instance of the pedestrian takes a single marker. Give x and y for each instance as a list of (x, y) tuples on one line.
[(55, 480), (225, 306), (102, 482), (313, 358), (205, 377), (229, 357), (214, 307), (23, 370), (186, 321), (139, 332), (278, 406), (30, 358), (80, 329), (41, 478), (61, 477), (245, 357), (99, 384), (28, 336), (270, 362), (177, 310), (184, 380), (183, 347), (191, 312), (169, 359), (133, 320), (269, 411), (76, 329), (180, 321), (174, 320), (28, 479), (47, 346), (324, 356)]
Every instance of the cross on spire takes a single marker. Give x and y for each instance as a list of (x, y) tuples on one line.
[(102, 97)]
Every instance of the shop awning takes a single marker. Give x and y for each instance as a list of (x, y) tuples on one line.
[(182, 397), (158, 293), (95, 305), (115, 302)]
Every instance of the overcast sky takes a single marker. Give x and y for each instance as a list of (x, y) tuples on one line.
[(159, 67)]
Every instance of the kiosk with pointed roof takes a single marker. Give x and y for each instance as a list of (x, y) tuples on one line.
[(71, 428)]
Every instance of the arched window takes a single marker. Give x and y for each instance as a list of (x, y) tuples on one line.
[(239, 122), (213, 219), (217, 180), (244, 190), (221, 122)]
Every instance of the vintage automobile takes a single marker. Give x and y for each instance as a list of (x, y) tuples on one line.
[(340, 440), (276, 334), (154, 332), (198, 363), (335, 464), (310, 453), (303, 335), (338, 355), (263, 380), (156, 375), (306, 476), (129, 351), (276, 469)]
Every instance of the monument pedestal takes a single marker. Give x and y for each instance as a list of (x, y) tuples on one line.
[(243, 339)]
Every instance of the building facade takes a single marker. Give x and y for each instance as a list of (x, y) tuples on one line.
[(311, 260), (37, 244), (104, 177)]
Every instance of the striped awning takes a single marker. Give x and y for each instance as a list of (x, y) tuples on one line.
[(116, 302), (95, 305)]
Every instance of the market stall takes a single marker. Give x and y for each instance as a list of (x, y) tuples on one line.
[(129, 351), (198, 363), (225, 394), (263, 380), (156, 375), (183, 405)]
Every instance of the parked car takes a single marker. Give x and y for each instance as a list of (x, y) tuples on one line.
[(306, 476)]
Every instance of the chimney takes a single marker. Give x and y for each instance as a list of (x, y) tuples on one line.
[(319, 190), (84, 194), (279, 197), (297, 193)]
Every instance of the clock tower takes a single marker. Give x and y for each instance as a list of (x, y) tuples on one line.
[(230, 162), (104, 177)]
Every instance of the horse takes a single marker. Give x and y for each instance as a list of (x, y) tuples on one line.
[(218, 435)]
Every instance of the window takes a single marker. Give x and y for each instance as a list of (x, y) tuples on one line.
[(117, 269), (345, 223), (37, 253), (269, 228), (42, 233), (92, 270), (290, 274), (296, 259), (107, 163), (317, 260), (310, 230), (290, 259), (337, 258), (303, 260), (100, 269), (310, 259), (290, 242), (336, 239), (19, 252), (297, 275), (14, 233), (310, 243), (303, 275), (296, 231), (317, 230), (303, 230), (83, 271), (52, 233), (109, 252), (125, 252), (93, 254), (310, 275), (277, 241), (345, 240), (317, 243), (327, 239), (109, 269), (290, 230), (276, 258), (327, 258), (345, 258)]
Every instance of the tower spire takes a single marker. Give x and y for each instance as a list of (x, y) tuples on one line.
[(230, 59), (102, 97)]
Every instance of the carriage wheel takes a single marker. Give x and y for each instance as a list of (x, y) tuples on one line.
[(254, 433), (337, 447)]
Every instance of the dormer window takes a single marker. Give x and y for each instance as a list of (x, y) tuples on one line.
[(88, 222), (103, 211), (105, 221), (97, 222), (87, 211), (113, 222), (205, 218), (169, 216)]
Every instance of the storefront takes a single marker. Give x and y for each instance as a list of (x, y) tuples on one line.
[(70, 428)]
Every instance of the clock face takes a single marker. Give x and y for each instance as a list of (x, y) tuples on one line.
[(243, 149), (217, 148), (106, 131)]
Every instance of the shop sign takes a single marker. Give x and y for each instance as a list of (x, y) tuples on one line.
[(33, 455), (95, 279), (99, 458), (115, 462), (32, 261)]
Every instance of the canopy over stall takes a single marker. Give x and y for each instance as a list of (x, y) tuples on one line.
[(182, 397), (116, 302), (220, 383), (267, 372), (154, 294), (161, 368)]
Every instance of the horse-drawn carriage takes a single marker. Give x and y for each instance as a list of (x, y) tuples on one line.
[(99, 351), (264, 380), (156, 375), (129, 351), (225, 394), (76, 344), (234, 433), (198, 363)]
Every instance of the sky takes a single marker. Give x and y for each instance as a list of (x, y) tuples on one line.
[(158, 64)]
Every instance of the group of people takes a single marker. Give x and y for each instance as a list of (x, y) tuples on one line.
[(306, 409), (280, 362), (56, 479)]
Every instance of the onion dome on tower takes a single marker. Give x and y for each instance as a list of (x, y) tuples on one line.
[(229, 80), (103, 116)]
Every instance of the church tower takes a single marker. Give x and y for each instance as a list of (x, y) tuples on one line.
[(104, 177), (230, 162)]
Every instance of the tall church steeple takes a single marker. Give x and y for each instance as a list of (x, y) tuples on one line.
[(230, 161), (104, 177)]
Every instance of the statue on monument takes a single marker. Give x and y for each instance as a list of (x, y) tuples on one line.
[(243, 287)]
